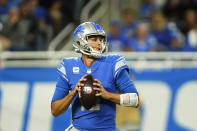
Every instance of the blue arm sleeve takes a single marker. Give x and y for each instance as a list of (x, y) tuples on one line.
[(62, 89), (124, 83)]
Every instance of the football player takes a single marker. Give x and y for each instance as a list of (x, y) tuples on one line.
[(110, 72)]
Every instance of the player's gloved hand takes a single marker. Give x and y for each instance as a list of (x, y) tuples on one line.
[(79, 84), (101, 91)]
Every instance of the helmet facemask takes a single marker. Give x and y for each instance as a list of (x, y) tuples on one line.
[(96, 48)]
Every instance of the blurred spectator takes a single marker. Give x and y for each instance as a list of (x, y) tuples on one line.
[(5, 5), (56, 16), (13, 30), (4, 43), (44, 33), (167, 35), (191, 40), (173, 10), (147, 7), (29, 27), (189, 20), (72, 10), (32, 27), (142, 41), (129, 24), (37, 10), (77, 9), (117, 41)]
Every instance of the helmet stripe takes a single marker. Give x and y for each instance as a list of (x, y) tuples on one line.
[(97, 27), (80, 29)]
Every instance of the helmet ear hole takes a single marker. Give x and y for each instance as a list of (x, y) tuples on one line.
[(78, 43)]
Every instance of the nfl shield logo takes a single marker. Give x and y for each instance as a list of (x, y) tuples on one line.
[(89, 71), (87, 90)]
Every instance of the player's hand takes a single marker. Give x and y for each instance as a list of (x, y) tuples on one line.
[(79, 84), (101, 91)]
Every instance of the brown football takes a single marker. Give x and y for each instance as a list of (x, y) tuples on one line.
[(88, 98)]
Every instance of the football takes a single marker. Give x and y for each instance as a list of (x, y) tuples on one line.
[(88, 97)]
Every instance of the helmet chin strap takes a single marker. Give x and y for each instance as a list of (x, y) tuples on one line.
[(92, 55)]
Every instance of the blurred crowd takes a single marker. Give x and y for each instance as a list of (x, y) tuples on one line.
[(29, 25), (170, 27)]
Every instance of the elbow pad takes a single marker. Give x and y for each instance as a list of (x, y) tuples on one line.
[(129, 99)]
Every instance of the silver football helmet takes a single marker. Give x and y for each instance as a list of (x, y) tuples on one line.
[(80, 37)]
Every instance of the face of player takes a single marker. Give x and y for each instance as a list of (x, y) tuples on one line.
[(96, 42)]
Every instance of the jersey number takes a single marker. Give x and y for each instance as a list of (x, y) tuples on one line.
[(94, 108)]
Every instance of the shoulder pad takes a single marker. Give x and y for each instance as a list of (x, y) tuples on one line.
[(62, 70), (113, 57)]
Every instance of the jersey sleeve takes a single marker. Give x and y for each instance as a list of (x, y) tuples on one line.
[(62, 86), (61, 69), (61, 90), (119, 65), (124, 83)]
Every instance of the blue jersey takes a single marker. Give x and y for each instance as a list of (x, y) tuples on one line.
[(117, 43), (107, 69), (166, 36), (130, 29), (190, 44), (148, 45)]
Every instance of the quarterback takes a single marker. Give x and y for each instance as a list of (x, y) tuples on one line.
[(110, 73)]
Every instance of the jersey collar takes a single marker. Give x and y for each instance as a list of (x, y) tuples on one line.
[(89, 69)]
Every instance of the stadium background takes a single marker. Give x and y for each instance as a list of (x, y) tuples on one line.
[(36, 35)]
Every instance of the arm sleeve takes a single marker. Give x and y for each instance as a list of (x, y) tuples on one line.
[(119, 65), (62, 86), (61, 69), (62, 89), (174, 33), (124, 83)]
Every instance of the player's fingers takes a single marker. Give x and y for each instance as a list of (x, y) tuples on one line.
[(98, 94), (79, 88), (83, 78), (97, 89), (97, 84), (97, 81), (80, 84), (81, 81), (79, 93)]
